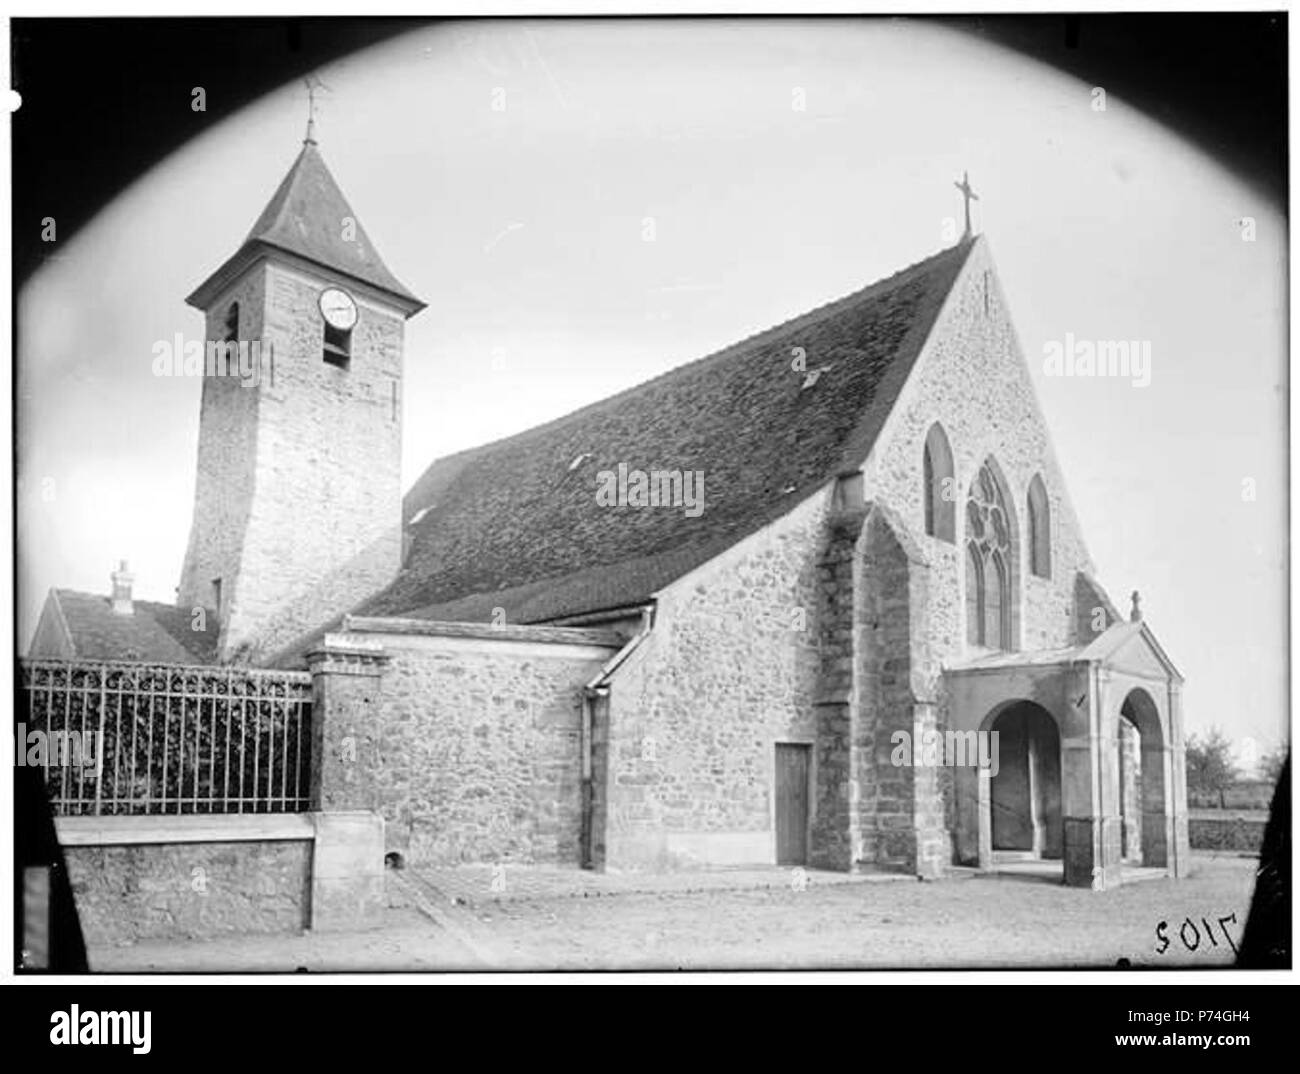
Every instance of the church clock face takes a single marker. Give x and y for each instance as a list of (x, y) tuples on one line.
[(338, 308)]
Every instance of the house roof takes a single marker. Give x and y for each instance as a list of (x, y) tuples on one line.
[(152, 634), (305, 217), (516, 524)]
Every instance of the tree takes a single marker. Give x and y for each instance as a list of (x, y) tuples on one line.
[(1210, 768), (1270, 765)]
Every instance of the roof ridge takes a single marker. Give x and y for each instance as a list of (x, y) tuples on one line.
[(870, 290), (101, 596), (64, 590)]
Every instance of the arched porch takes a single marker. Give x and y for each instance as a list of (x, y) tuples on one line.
[(1077, 728)]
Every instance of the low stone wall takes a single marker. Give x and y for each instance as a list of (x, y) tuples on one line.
[(198, 877), (1229, 832)]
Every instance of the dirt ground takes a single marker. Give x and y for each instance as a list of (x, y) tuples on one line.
[(751, 921)]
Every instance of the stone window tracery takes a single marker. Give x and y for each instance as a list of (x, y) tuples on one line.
[(988, 563)]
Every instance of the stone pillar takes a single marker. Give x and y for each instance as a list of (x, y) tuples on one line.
[(1180, 854), (1136, 776), (347, 886), (1032, 780), (1157, 819), (930, 831), (984, 796), (1083, 833), (1112, 792), (966, 805), (1090, 791), (346, 684), (1047, 780), (830, 846)]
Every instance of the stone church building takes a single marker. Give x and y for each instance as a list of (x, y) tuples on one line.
[(511, 669)]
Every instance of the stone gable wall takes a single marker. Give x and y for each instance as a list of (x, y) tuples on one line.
[(973, 380)]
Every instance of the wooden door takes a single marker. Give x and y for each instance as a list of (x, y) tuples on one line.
[(792, 803)]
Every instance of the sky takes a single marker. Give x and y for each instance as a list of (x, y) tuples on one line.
[(510, 173)]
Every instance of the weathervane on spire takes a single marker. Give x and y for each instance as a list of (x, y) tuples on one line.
[(969, 195), (313, 83)]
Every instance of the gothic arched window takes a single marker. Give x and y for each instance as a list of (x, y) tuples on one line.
[(988, 564), (1040, 529), (938, 487)]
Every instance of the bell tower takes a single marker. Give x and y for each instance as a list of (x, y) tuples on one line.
[(297, 508)]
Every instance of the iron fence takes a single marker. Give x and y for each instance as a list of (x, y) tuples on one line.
[(123, 738)]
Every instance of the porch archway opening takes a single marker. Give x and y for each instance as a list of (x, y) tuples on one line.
[(1023, 800), (1141, 743)]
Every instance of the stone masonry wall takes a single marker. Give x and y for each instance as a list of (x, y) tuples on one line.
[(227, 452), (695, 713), (298, 506), (327, 531), (156, 892), (834, 828), (471, 749), (1231, 832), (973, 380), (899, 808), (730, 669)]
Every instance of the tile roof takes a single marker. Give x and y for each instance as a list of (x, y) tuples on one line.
[(152, 633), (515, 523), (305, 217)]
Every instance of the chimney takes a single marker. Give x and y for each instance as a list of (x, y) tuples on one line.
[(122, 579), (1135, 616)]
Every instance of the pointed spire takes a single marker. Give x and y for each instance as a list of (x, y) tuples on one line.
[(309, 217)]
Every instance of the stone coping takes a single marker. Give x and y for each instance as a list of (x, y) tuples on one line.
[(211, 672), (218, 828), (612, 639)]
